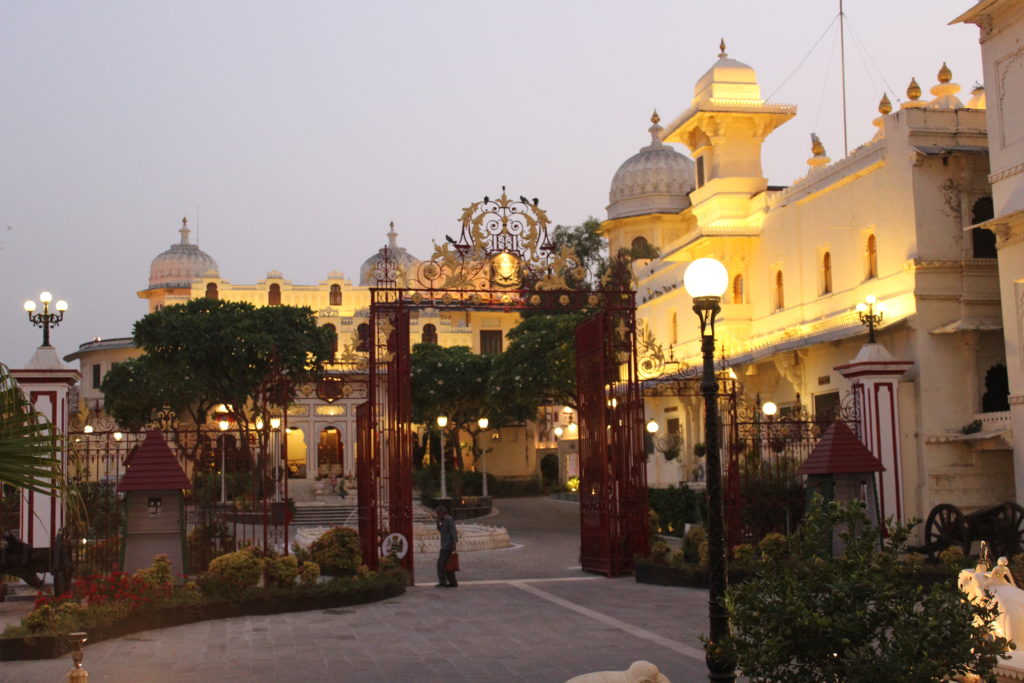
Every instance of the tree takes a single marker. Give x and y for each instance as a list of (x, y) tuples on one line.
[(589, 246), (450, 381), (28, 442), (538, 368), (207, 352), (858, 616)]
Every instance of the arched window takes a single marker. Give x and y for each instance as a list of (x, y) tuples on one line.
[(872, 257), (274, 295), (429, 334), (335, 295), (737, 289), (826, 273), (780, 299), (983, 240), (640, 247), (334, 349), (211, 290), (363, 334)]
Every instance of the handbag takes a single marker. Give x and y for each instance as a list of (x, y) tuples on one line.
[(453, 563)]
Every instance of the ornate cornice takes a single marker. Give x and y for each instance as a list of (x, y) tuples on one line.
[(1006, 173)]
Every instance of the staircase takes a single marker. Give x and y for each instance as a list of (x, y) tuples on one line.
[(343, 514)]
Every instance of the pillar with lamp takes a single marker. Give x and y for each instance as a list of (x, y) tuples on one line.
[(483, 422), (706, 280), (46, 319), (442, 422), (871, 311)]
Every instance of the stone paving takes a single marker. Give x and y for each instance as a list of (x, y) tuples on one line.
[(526, 613)]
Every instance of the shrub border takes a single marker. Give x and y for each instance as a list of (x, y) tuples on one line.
[(51, 646)]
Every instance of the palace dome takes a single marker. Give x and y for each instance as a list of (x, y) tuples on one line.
[(404, 260), (657, 179), (181, 264)]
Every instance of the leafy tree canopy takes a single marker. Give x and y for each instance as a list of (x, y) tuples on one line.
[(538, 368), (205, 352), (450, 381), (590, 247), (860, 616)]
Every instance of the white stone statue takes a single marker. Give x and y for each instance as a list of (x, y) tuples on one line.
[(638, 672)]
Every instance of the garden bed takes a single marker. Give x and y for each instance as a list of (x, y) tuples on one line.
[(338, 593)]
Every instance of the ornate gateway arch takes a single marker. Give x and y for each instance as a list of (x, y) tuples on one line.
[(504, 260)]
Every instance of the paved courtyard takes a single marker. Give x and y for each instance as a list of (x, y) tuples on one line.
[(526, 613)]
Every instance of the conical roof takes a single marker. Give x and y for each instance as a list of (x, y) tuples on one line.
[(153, 467), (839, 451)]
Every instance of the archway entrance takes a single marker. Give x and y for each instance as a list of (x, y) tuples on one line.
[(504, 261)]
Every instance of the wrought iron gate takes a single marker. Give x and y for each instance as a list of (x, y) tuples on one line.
[(613, 482), (504, 261)]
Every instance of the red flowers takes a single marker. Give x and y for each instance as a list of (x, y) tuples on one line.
[(134, 591)]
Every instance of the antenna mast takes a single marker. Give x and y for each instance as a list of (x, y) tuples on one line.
[(842, 67)]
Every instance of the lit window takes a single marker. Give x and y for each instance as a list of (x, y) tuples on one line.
[(872, 257)]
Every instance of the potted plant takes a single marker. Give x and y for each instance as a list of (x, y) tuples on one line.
[(699, 449)]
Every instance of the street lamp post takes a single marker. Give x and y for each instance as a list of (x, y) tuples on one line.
[(706, 280), (483, 422), (223, 424), (442, 422), (871, 311), (46, 320)]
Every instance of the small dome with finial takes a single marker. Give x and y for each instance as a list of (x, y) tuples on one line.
[(398, 255), (945, 92), (728, 80), (657, 179), (184, 262), (818, 151)]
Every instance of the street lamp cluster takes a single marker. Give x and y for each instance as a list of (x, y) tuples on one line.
[(46, 319)]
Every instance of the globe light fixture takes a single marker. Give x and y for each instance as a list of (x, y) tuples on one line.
[(46, 319), (118, 436), (275, 423), (88, 429), (769, 409), (223, 424), (652, 426), (442, 422), (559, 431), (871, 311), (483, 422), (706, 281)]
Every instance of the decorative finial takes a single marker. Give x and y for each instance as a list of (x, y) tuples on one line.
[(913, 90), (184, 231), (392, 236), (945, 75), (817, 148), (818, 157), (721, 47), (655, 119), (884, 105)]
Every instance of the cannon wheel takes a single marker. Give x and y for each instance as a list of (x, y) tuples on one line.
[(1008, 536), (946, 526)]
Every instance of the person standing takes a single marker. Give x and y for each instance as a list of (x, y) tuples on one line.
[(449, 537)]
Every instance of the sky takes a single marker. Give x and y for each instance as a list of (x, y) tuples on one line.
[(291, 132)]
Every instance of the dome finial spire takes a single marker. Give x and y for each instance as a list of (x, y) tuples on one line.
[(655, 130), (184, 230), (392, 236), (721, 47)]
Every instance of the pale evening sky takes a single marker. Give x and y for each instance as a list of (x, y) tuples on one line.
[(291, 133)]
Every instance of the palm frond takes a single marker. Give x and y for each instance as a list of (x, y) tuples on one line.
[(29, 443)]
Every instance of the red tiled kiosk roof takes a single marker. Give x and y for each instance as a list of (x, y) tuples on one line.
[(153, 467), (839, 451)]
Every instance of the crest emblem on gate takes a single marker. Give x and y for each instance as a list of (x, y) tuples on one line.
[(332, 387)]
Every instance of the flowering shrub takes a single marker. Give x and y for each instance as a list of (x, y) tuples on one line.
[(337, 552)]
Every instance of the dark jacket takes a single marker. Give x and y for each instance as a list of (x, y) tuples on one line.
[(449, 536)]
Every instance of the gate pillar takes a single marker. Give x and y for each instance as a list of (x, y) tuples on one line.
[(46, 383), (875, 377)]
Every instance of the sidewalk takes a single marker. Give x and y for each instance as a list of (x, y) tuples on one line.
[(525, 613)]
